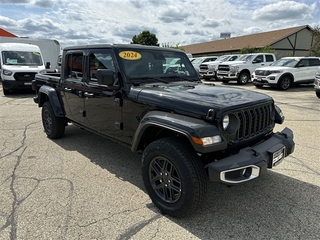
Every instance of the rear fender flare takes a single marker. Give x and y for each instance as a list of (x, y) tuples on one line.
[(49, 93)]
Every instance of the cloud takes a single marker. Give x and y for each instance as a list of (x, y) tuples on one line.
[(180, 21), (284, 10), (5, 21), (193, 32), (210, 23), (15, 1), (44, 4), (173, 14), (252, 30)]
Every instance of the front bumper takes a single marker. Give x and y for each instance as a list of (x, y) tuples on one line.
[(265, 80), (12, 84), (317, 84), (252, 162), (208, 74), (225, 75)]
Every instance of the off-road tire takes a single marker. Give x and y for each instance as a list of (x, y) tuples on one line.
[(174, 177), (243, 78), (284, 83), (53, 126)]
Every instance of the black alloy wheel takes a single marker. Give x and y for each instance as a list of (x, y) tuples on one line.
[(174, 177)]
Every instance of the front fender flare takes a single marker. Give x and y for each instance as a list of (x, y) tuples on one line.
[(184, 125)]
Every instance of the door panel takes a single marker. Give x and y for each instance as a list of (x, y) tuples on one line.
[(72, 87), (102, 105)]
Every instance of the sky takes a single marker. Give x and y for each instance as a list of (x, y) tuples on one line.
[(174, 22)]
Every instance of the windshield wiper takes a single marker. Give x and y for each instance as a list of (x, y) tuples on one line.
[(180, 77), (147, 79)]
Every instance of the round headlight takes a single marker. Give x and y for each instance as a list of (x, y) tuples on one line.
[(230, 124), (225, 122)]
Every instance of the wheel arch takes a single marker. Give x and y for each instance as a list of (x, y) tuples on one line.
[(245, 70), (287, 75), (156, 124), (47, 93)]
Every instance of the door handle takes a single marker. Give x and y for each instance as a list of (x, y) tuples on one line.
[(90, 95)]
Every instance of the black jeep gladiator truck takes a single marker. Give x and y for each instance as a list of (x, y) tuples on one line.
[(187, 132)]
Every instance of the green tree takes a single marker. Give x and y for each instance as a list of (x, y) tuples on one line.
[(315, 48), (145, 38), (266, 49), (167, 45), (247, 49)]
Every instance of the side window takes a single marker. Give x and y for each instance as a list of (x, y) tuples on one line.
[(269, 58), (303, 63), (233, 58), (259, 58), (314, 62), (74, 67), (99, 61)]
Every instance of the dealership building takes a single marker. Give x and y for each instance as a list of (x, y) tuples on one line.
[(295, 41)]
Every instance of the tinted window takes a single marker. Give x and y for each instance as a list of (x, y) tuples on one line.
[(99, 61), (303, 63), (233, 58), (314, 62), (154, 64), (259, 57), (269, 58), (74, 67)]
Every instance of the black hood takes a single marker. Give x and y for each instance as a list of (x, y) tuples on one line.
[(196, 98)]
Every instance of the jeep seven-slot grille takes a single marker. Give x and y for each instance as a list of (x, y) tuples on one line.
[(24, 76), (254, 121)]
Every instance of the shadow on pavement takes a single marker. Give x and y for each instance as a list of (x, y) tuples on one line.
[(272, 207)]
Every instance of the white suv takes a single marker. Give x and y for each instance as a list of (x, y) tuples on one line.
[(286, 72), (317, 83)]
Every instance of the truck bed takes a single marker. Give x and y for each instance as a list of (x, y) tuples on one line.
[(48, 78), (51, 79)]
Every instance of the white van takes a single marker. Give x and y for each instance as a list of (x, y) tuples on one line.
[(50, 49), (19, 63)]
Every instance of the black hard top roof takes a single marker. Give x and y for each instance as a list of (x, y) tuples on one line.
[(118, 46)]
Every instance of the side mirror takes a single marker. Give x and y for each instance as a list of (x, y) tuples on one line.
[(106, 77), (258, 60), (48, 65)]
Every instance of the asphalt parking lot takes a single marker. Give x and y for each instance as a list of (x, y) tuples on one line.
[(83, 186)]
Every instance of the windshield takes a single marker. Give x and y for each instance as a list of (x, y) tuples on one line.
[(197, 61), (246, 58), (291, 62), (21, 58), (222, 58), (155, 64)]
